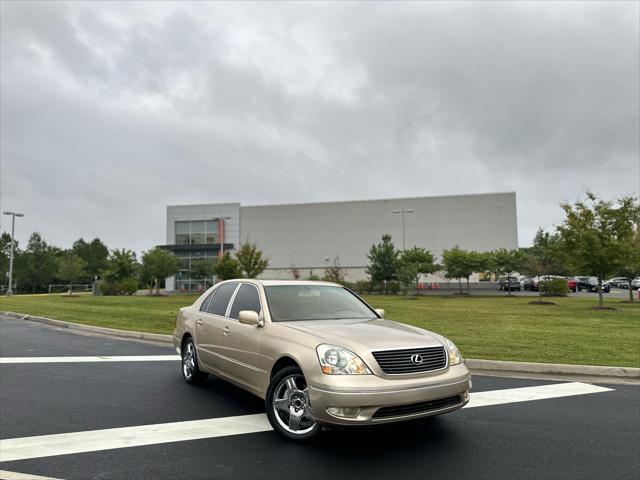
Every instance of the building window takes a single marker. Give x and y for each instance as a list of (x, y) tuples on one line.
[(211, 231), (196, 232), (182, 233)]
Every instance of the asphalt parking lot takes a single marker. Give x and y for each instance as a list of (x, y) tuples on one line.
[(513, 428)]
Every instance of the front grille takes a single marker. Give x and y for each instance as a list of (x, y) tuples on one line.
[(421, 407), (399, 361)]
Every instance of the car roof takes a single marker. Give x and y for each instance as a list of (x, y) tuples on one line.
[(269, 283)]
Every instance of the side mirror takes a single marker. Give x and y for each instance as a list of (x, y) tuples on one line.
[(249, 317), (380, 312)]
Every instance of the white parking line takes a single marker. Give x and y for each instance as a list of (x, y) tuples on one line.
[(90, 359), (96, 440)]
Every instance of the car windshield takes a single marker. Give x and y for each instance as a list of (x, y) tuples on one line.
[(314, 302)]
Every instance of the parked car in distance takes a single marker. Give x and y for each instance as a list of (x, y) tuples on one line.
[(525, 283), (635, 283), (590, 284), (318, 355), (619, 282), (572, 284), (508, 283)]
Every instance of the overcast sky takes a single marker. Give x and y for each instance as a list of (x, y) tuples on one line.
[(110, 112)]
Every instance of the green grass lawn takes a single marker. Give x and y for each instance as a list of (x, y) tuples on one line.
[(497, 328)]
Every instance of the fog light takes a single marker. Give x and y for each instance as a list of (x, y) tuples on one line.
[(347, 412)]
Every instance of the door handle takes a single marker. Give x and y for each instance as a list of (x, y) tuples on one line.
[(199, 322), (226, 330)]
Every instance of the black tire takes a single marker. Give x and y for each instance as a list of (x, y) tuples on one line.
[(278, 382), (190, 370)]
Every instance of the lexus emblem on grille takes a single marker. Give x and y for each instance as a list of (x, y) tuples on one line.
[(417, 359)]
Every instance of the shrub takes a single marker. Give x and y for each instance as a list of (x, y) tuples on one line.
[(393, 287), (349, 285), (555, 287), (126, 286), (362, 286)]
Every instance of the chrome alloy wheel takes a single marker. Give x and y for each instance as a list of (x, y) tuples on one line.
[(291, 405), (188, 361)]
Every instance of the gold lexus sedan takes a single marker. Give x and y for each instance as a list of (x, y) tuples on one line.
[(318, 355)]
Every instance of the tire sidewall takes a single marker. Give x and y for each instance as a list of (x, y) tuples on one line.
[(271, 415)]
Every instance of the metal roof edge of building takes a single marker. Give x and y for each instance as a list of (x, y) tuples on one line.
[(513, 192), (222, 204)]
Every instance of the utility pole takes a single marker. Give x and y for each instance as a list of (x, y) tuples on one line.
[(13, 227), (403, 211)]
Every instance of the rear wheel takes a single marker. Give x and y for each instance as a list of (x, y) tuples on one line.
[(190, 370), (288, 406)]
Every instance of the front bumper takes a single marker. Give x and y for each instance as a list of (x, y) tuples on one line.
[(421, 400)]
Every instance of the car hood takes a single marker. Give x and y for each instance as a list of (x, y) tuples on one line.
[(367, 334)]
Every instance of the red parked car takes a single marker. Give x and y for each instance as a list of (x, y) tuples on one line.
[(572, 284)]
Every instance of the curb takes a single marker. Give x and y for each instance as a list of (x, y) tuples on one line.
[(486, 366), (156, 337), (475, 365)]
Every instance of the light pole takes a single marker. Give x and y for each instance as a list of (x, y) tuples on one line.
[(403, 211), (13, 227)]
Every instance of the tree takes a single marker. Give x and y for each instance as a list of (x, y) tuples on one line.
[(250, 260), (202, 269), (596, 234), (461, 264), (227, 267), (37, 265), (414, 262), (545, 257), (383, 261), (157, 264), (5, 252), (505, 262), (295, 272), (95, 253), (70, 268), (631, 261), (335, 273), (121, 274), (121, 264)]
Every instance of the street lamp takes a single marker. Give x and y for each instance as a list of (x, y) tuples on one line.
[(403, 211), (13, 226)]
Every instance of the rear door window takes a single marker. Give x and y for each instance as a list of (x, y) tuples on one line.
[(246, 299), (220, 301)]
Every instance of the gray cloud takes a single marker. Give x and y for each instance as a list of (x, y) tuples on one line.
[(111, 111)]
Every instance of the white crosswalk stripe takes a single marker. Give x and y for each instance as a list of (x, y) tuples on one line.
[(96, 440), (5, 475)]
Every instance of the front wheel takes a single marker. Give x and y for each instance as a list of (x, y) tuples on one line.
[(288, 406)]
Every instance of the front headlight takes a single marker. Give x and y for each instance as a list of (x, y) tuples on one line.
[(340, 361), (455, 357)]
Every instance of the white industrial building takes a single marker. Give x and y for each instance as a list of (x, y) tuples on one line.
[(308, 237)]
